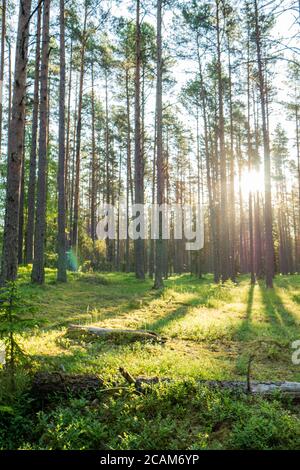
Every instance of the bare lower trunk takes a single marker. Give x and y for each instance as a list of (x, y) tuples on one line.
[(15, 148), (21, 211), (158, 283), (139, 164), (224, 229), (68, 131), (269, 248), (3, 34), (129, 184), (32, 163), (38, 272), (78, 140), (61, 235), (93, 182)]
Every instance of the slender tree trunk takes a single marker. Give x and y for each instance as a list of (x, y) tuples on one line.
[(72, 164), (109, 173), (68, 133), (232, 176), (298, 169), (269, 247), (78, 138), (38, 269), (152, 243), (15, 148), (3, 34), (129, 186), (9, 92), (211, 202), (224, 228), (118, 257), (258, 240), (167, 201), (61, 209), (21, 211), (93, 179), (33, 151), (158, 283), (242, 222), (139, 165), (250, 153)]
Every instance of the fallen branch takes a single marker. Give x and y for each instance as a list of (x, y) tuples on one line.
[(266, 389), (128, 377), (77, 331), (46, 385)]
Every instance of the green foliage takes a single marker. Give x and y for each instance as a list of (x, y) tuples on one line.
[(182, 415), (211, 330), (12, 323)]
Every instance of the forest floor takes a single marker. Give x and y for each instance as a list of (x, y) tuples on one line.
[(211, 331)]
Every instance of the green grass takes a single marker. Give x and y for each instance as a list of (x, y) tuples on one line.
[(211, 331)]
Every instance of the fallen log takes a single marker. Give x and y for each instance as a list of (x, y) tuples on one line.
[(113, 334), (45, 385), (266, 389)]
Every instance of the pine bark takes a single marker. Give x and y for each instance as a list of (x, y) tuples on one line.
[(3, 34), (78, 139), (68, 132), (224, 228), (158, 282), (129, 183), (139, 164), (93, 166), (21, 210), (269, 246), (33, 151), (38, 271), (15, 148), (61, 235), (250, 154)]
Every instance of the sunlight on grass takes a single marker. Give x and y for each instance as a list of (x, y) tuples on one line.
[(211, 330)]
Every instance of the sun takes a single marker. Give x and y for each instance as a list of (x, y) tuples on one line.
[(252, 181)]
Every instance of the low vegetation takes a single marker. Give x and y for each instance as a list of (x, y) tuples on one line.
[(210, 330)]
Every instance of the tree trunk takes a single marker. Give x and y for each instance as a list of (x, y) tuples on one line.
[(224, 229), (211, 202), (139, 164), (21, 210), (61, 210), (158, 283), (68, 132), (250, 153), (129, 184), (232, 231), (32, 163), (3, 34), (78, 138), (269, 247), (15, 148), (298, 170), (93, 167), (152, 244), (109, 173), (38, 273), (72, 166)]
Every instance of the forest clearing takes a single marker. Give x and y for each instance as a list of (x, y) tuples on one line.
[(209, 334)]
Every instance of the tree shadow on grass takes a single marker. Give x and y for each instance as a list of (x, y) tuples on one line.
[(282, 321), (199, 298), (173, 315), (246, 329)]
